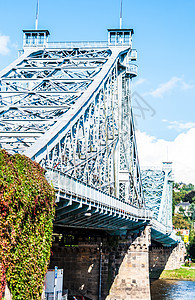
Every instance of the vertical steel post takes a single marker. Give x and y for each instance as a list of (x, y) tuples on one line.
[(100, 273), (121, 16)]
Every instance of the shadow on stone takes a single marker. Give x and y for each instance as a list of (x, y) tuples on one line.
[(164, 258)]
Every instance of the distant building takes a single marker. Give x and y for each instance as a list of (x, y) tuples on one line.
[(185, 206)]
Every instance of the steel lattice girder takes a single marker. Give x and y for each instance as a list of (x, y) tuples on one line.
[(69, 109), (39, 89), (157, 189)]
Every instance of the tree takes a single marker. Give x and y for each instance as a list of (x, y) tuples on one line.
[(191, 249), (189, 197), (180, 222), (188, 187), (185, 193), (181, 211), (191, 246), (192, 211)]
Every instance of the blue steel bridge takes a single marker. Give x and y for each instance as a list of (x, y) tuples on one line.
[(68, 107)]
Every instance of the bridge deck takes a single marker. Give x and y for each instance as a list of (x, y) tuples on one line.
[(81, 205)]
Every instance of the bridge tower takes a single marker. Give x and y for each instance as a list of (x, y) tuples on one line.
[(157, 188)]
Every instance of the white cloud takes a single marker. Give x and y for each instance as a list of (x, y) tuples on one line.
[(4, 40), (179, 125), (186, 86), (139, 81), (174, 82), (152, 152), (165, 87)]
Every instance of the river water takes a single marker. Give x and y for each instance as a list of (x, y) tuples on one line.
[(172, 290)]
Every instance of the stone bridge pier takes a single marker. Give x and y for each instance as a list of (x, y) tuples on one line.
[(132, 280), (101, 266), (165, 258)]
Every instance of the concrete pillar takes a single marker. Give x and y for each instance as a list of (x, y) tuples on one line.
[(132, 281)]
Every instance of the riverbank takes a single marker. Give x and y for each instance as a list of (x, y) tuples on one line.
[(184, 273), (179, 274)]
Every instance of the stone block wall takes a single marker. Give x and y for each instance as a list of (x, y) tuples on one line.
[(79, 253), (123, 269), (166, 258), (81, 268), (132, 281)]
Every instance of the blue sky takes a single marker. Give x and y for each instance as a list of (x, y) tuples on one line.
[(164, 39)]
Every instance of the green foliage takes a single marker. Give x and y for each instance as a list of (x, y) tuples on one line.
[(180, 222), (191, 246), (178, 196), (188, 187), (189, 197), (191, 249), (192, 211), (183, 273), (183, 193), (181, 210), (26, 223)]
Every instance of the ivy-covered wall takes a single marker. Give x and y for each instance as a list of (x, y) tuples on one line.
[(27, 204)]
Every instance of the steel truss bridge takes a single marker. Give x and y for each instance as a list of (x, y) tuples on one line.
[(68, 107)]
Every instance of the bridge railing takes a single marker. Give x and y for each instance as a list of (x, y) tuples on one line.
[(71, 45), (66, 183)]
